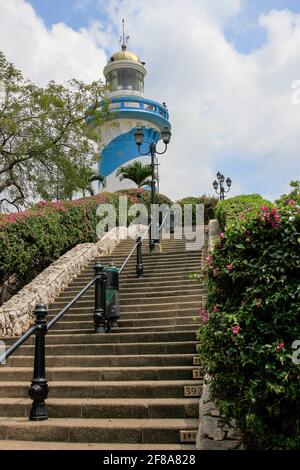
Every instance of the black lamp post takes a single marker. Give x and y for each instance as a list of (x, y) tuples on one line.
[(139, 138), (220, 184)]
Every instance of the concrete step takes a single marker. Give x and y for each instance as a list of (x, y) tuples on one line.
[(141, 308), (151, 258), (76, 314), (71, 328), (159, 264), (152, 271), (113, 408), (39, 445), (138, 286), (114, 338), (165, 431), (146, 360), (111, 389), (138, 283), (138, 300), (185, 347), (139, 293), (97, 374)]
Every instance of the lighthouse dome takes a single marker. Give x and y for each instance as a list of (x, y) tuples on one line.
[(124, 55)]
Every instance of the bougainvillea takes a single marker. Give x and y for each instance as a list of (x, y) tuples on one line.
[(252, 319), (30, 241)]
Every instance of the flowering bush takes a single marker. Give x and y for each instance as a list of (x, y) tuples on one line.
[(239, 206), (30, 241), (251, 319)]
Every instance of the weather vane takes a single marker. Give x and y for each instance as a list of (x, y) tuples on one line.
[(123, 38)]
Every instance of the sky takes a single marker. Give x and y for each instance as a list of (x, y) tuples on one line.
[(225, 68)]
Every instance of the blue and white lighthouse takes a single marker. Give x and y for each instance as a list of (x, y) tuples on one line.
[(125, 73)]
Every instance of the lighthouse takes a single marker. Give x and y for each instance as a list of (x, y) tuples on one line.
[(130, 111)]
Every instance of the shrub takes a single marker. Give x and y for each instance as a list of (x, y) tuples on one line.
[(210, 203), (229, 210), (30, 241), (251, 319), (294, 195)]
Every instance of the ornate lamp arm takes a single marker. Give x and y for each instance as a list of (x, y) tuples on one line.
[(142, 153), (161, 153)]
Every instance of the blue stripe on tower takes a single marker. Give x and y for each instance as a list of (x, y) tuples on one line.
[(123, 148)]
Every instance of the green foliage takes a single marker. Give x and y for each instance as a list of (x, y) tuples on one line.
[(136, 172), (251, 319), (231, 209), (210, 203), (48, 137), (294, 194), (31, 240)]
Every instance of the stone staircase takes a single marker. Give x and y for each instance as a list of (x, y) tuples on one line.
[(135, 388)]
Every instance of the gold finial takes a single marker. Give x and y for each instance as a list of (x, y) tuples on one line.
[(123, 38)]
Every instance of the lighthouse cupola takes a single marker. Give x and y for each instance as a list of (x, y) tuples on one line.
[(125, 72)]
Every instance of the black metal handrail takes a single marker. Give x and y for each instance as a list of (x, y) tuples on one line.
[(16, 345), (38, 390), (138, 241)]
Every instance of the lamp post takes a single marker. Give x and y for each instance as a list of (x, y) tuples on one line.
[(220, 184), (152, 151)]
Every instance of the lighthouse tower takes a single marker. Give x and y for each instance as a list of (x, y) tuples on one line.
[(124, 74)]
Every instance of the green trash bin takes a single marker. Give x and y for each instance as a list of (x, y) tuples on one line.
[(112, 296)]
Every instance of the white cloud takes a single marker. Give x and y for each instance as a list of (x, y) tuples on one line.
[(222, 103), (43, 54)]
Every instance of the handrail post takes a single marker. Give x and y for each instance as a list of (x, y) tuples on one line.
[(39, 385), (172, 221), (139, 260), (100, 298)]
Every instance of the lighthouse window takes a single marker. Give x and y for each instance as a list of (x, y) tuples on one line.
[(126, 79)]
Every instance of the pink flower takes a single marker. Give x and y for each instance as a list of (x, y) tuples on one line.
[(204, 316), (229, 267), (216, 309), (280, 346), (221, 235), (264, 208), (208, 259), (292, 203), (236, 329)]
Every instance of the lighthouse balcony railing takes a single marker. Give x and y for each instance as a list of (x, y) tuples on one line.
[(139, 103)]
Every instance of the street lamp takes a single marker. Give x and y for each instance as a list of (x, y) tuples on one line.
[(220, 183), (139, 139)]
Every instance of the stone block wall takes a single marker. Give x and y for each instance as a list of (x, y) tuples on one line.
[(16, 314), (214, 432)]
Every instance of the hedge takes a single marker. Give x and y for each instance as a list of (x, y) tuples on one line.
[(30, 241), (250, 322), (210, 203), (229, 210)]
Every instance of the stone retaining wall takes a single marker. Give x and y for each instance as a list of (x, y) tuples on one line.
[(214, 432), (16, 314)]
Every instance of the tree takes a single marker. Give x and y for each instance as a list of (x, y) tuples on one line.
[(136, 172), (48, 137)]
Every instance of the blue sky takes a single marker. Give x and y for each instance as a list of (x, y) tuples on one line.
[(225, 70), (242, 30)]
